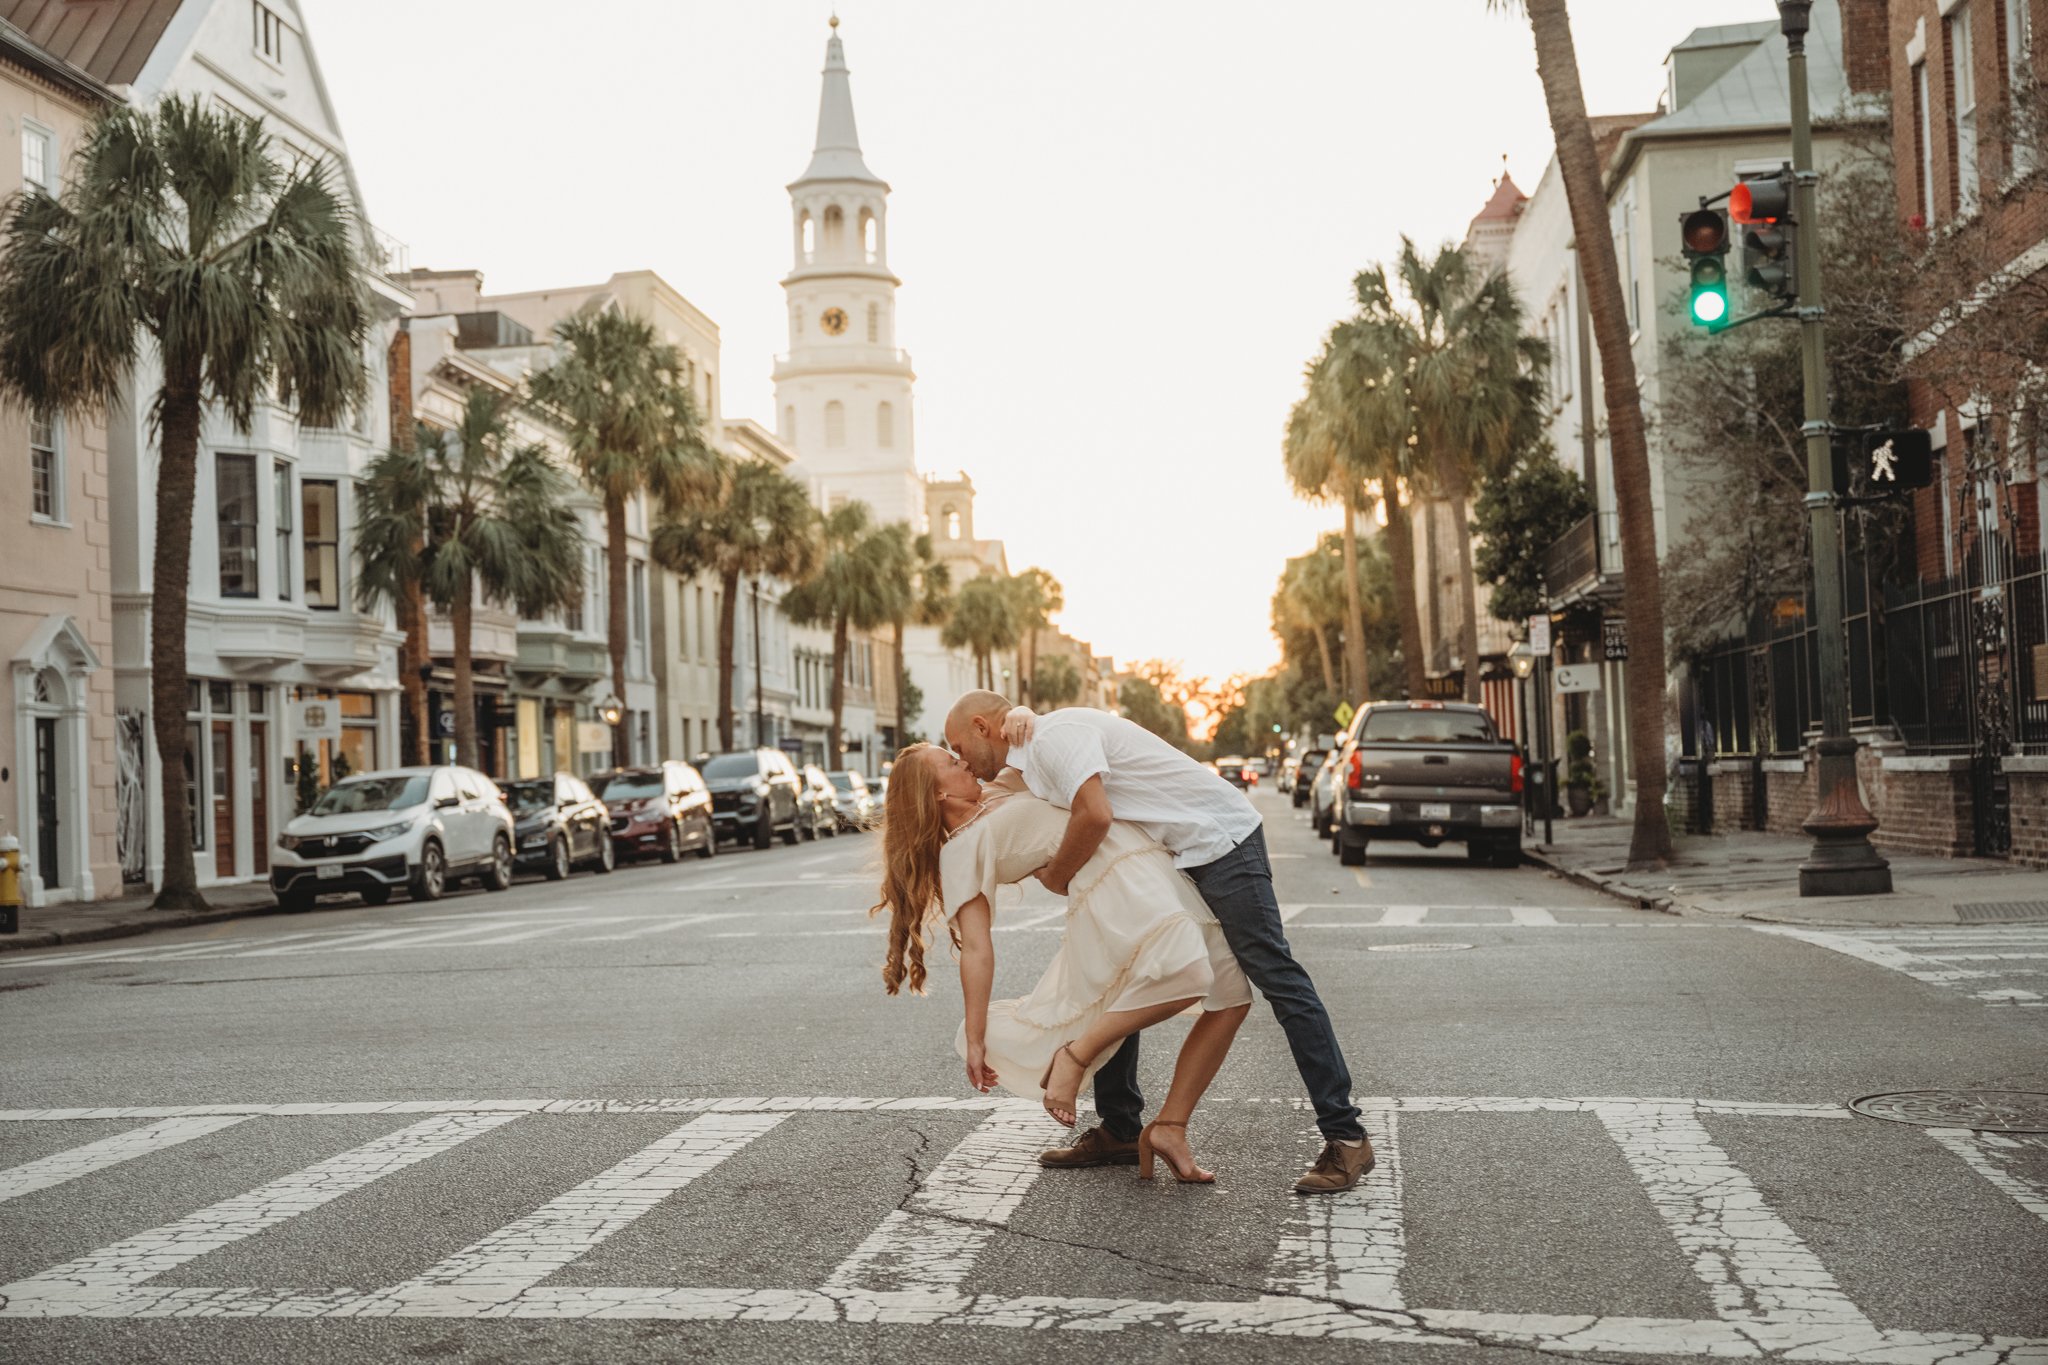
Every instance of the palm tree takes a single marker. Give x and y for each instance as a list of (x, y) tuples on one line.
[(498, 526), (1038, 596), (633, 432), (1642, 589), (857, 586), (1055, 682), (984, 621), (756, 523), (1308, 599), (926, 600), (244, 272), (1322, 471)]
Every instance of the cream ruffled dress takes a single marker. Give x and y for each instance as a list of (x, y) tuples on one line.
[(1137, 933)]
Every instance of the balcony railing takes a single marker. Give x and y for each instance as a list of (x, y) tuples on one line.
[(386, 255), (1583, 557)]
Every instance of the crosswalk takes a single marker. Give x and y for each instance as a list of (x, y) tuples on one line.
[(1999, 965), (1338, 1268)]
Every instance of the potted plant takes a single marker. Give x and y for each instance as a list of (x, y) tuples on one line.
[(1582, 783)]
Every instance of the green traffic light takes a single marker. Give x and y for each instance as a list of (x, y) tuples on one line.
[(1709, 306)]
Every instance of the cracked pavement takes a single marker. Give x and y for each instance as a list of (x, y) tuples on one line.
[(696, 1129)]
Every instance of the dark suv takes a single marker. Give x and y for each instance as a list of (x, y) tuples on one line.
[(558, 823), (755, 794), (661, 808)]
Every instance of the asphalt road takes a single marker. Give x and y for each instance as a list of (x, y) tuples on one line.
[(668, 1114)]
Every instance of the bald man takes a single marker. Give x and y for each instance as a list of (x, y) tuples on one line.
[(1100, 768)]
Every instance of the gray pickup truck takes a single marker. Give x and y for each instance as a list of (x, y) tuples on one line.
[(1428, 772)]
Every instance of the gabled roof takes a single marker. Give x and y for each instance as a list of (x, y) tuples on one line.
[(22, 51), (108, 39), (1728, 35)]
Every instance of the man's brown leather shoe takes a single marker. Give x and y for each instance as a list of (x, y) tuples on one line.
[(1339, 1168), (1096, 1147)]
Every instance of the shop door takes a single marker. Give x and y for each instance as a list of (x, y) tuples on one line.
[(46, 802), (259, 795), (223, 768)]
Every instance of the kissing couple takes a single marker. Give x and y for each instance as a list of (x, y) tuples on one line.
[(1170, 906)]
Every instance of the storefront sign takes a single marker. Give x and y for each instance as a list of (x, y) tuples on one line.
[(1539, 634), (1578, 678), (316, 720), (593, 737), (1614, 637)]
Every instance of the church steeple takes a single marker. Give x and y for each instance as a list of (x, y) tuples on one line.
[(837, 154)]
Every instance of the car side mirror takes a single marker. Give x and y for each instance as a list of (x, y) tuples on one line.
[(446, 802)]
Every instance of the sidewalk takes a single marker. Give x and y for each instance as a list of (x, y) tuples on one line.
[(126, 915), (1755, 876)]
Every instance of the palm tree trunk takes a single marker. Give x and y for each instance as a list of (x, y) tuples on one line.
[(1323, 648), (833, 742), (615, 616), (902, 677), (1641, 586), (461, 615), (414, 657), (1468, 586), (1401, 551), (177, 474), (728, 613), (1354, 605)]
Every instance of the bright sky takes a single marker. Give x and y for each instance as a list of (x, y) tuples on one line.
[(1122, 227)]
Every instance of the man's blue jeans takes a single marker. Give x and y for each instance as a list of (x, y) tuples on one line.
[(1238, 888)]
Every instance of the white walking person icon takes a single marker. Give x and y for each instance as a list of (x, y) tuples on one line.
[(1881, 464)]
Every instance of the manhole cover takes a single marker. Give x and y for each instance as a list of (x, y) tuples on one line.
[(1417, 947), (1987, 1111), (1987, 912)]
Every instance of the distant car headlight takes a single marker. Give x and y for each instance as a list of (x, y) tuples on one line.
[(383, 832)]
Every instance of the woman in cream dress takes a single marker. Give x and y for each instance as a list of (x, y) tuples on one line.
[(1138, 946)]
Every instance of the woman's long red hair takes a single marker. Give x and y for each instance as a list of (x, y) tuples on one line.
[(913, 834)]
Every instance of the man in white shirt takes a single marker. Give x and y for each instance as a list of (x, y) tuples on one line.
[(1101, 768)]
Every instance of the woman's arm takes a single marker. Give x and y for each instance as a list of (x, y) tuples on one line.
[(977, 976)]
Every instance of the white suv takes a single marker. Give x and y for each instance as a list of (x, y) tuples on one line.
[(420, 828)]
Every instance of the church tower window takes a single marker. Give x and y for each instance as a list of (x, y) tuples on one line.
[(835, 229), (867, 235), (810, 237), (885, 426), (952, 524), (874, 323), (835, 424)]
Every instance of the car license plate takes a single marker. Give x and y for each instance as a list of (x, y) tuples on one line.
[(328, 870), (1436, 810)]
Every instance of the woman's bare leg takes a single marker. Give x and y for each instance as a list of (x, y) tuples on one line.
[(1201, 1056), (1063, 1078)]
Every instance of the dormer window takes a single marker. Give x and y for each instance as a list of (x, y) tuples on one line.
[(268, 32)]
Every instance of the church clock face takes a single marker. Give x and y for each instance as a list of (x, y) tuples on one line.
[(833, 321)]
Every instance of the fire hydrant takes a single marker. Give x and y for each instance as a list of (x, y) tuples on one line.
[(10, 884)]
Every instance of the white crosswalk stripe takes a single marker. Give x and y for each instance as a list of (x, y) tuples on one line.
[(1995, 965), (1337, 1268)]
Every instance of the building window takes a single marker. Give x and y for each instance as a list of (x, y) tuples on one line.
[(885, 426), (45, 469), (267, 32), (1963, 101), (835, 424), (637, 610), (1923, 131), (320, 511), (874, 323), (952, 524), (281, 473), (1625, 242), (38, 157), (867, 235), (808, 235), (2019, 77), (835, 230), (234, 488)]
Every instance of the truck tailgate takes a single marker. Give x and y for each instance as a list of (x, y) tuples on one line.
[(1457, 772)]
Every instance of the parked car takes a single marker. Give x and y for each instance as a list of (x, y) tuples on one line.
[(856, 805), (419, 828), (558, 824), (662, 808), (1238, 772), (1322, 796), (820, 804), (1305, 769), (754, 795), (1429, 772)]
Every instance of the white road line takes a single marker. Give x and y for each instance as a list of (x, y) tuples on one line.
[(346, 940), (128, 1263), (930, 1247), (1756, 1269), (502, 1265), (1351, 1246), (524, 934), (1531, 914), (2000, 1158), (60, 1167), (430, 936), (660, 927), (1403, 914)]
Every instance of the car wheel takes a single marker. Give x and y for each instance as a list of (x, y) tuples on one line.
[(672, 842), (764, 831), (558, 858), (294, 901), (498, 875), (709, 848), (429, 881), (789, 835), (810, 829), (376, 895), (1508, 854), (1350, 849), (607, 853), (1477, 851)]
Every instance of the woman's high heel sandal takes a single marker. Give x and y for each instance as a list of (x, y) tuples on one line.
[(1068, 1119), (1193, 1175)]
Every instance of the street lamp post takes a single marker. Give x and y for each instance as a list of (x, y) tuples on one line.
[(1842, 861), (1522, 660)]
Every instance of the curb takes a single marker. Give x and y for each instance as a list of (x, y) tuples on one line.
[(95, 933), (1606, 886)]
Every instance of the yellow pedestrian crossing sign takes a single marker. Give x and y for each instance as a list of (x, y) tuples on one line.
[(1344, 713)]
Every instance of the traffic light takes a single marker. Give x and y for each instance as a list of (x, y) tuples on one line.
[(1704, 235), (1874, 462), (1763, 207)]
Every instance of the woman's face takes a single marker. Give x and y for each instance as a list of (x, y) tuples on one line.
[(951, 775)]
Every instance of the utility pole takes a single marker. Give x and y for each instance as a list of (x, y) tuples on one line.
[(1842, 861)]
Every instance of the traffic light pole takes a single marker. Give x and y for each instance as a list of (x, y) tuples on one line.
[(1842, 861)]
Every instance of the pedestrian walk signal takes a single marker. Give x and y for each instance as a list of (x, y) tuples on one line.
[(1763, 208), (1704, 236), (1876, 463)]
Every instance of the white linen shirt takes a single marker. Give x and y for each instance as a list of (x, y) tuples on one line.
[(1196, 814)]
